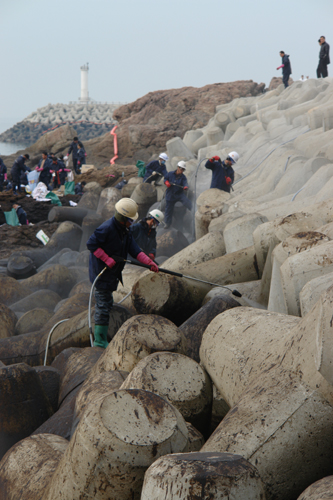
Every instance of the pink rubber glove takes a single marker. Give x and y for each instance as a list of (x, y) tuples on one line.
[(100, 254), (144, 259), (185, 187), (282, 66), (78, 163), (5, 177), (60, 170), (38, 169), (67, 169)]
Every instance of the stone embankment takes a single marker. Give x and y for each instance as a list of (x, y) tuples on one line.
[(200, 393), (90, 120)]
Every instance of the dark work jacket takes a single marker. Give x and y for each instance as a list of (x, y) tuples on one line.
[(114, 240), (56, 167), (45, 175), (73, 148), (155, 166), (81, 156), (78, 188), (22, 216), (220, 173), (324, 54), (24, 178), (175, 193), (144, 236), (18, 167), (3, 171), (286, 70)]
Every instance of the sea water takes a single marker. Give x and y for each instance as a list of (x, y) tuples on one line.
[(8, 148)]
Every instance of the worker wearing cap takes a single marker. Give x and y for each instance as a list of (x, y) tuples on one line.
[(156, 169), (223, 173), (112, 239), (176, 183), (17, 169), (144, 232)]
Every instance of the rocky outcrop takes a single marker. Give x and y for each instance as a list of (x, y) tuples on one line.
[(148, 123)]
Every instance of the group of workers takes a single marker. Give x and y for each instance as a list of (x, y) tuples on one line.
[(119, 236), (52, 170), (176, 182)]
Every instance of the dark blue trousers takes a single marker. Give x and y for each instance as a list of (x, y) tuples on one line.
[(104, 303), (170, 204)]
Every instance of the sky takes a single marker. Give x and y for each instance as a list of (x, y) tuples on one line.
[(138, 46)]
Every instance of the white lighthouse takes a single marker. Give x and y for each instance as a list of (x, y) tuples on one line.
[(84, 83)]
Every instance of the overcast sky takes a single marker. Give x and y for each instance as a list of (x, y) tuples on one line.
[(137, 46)]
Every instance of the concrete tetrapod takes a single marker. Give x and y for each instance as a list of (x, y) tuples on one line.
[(144, 195), (74, 214), (138, 337), (189, 476), (209, 247), (117, 439), (296, 243), (193, 328), (24, 405), (27, 467), (180, 380), (174, 298), (286, 432), (320, 490), (311, 292), (210, 204), (298, 269), (94, 388), (238, 233), (237, 346)]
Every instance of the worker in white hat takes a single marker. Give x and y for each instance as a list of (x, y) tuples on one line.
[(223, 173), (111, 240), (156, 169), (176, 183)]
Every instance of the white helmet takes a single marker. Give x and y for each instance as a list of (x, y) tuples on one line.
[(164, 156), (157, 215), (128, 208), (233, 156), (182, 165)]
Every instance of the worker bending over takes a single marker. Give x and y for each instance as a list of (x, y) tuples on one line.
[(223, 173), (144, 232), (112, 239), (176, 183), (156, 169)]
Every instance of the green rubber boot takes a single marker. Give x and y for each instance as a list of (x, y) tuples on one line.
[(100, 336)]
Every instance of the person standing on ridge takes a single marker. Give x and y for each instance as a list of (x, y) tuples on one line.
[(111, 240), (3, 174), (286, 68), (144, 232), (324, 58), (176, 183), (73, 149), (81, 157), (16, 171), (156, 169), (223, 174)]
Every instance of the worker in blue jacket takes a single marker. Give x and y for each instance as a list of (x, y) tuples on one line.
[(144, 232), (16, 171), (176, 183), (111, 240), (73, 149), (286, 68), (44, 167), (3, 174), (156, 169), (223, 173), (81, 158)]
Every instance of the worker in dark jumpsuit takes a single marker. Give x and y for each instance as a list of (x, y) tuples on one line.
[(223, 173), (16, 171), (144, 232), (73, 149), (3, 174), (111, 240), (156, 169), (176, 183)]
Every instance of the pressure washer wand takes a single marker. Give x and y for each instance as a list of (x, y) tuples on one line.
[(173, 273)]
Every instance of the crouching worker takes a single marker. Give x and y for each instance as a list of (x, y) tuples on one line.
[(112, 239), (144, 232)]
